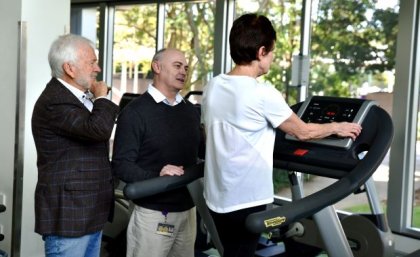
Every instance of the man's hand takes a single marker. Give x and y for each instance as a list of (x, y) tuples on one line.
[(172, 170), (99, 89)]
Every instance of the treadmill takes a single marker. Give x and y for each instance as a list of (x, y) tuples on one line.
[(350, 163)]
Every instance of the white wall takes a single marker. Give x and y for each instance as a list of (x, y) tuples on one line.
[(45, 19), (8, 64)]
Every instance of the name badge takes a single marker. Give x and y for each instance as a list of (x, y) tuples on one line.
[(165, 229)]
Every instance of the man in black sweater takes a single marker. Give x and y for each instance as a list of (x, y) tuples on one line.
[(158, 134)]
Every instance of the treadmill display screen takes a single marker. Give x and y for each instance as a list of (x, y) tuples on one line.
[(325, 112), (321, 109)]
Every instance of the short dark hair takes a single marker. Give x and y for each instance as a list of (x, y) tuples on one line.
[(248, 33)]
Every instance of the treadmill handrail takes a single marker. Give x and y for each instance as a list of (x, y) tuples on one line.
[(265, 221), (148, 187)]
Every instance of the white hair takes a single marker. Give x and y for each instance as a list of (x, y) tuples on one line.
[(65, 49)]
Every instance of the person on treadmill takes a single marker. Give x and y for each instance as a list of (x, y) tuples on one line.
[(241, 116)]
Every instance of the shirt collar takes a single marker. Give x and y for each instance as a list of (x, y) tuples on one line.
[(159, 97), (76, 92)]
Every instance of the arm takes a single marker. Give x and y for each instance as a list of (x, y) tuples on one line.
[(70, 119), (67, 117), (73, 121), (126, 149), (307, 131)]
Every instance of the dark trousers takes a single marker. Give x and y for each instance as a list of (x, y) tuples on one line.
[(237, 241)]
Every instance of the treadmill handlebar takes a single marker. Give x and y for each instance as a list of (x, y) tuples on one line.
[(281, 216), (144, 188)]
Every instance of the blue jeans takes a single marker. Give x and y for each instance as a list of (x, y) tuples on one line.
[(84, 246)]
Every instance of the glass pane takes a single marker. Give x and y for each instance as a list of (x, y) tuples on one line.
[(285, 17), (353, 46), (190, 28), (84, 22), (134, 47)]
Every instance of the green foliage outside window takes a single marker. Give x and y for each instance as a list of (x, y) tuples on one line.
[(352, 42)]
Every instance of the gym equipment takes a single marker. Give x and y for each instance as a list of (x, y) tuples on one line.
[(2, 209), (191, 179), (341, 161), (127, 98), (157, 185)]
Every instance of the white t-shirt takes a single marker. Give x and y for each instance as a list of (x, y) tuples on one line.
[(240, 116)]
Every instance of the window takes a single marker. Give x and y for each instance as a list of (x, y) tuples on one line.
[(190, 27), (84, 22), (353, 46), (187, 26), (133, 48), (285, 17)]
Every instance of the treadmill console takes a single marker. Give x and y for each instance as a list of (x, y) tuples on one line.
[(321, 109)]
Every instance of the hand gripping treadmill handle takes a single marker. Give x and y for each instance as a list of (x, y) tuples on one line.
[(157, 185), (265, 221)]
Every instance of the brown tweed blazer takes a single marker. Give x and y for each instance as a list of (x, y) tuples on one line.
[(74, 194)]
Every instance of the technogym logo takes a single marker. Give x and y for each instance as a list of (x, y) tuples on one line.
[(274, 222)]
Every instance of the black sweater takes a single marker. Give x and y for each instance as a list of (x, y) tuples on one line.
[(150, 135)]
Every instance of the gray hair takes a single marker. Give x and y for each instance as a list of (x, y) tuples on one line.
[(65, 49)]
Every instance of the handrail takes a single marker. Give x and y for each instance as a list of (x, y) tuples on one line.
[(283, 215)]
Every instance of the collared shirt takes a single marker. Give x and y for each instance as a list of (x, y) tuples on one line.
[(159, 97), (83, 97), (76, 92)]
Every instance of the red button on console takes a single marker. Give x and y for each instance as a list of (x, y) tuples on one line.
[(300, 152)]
